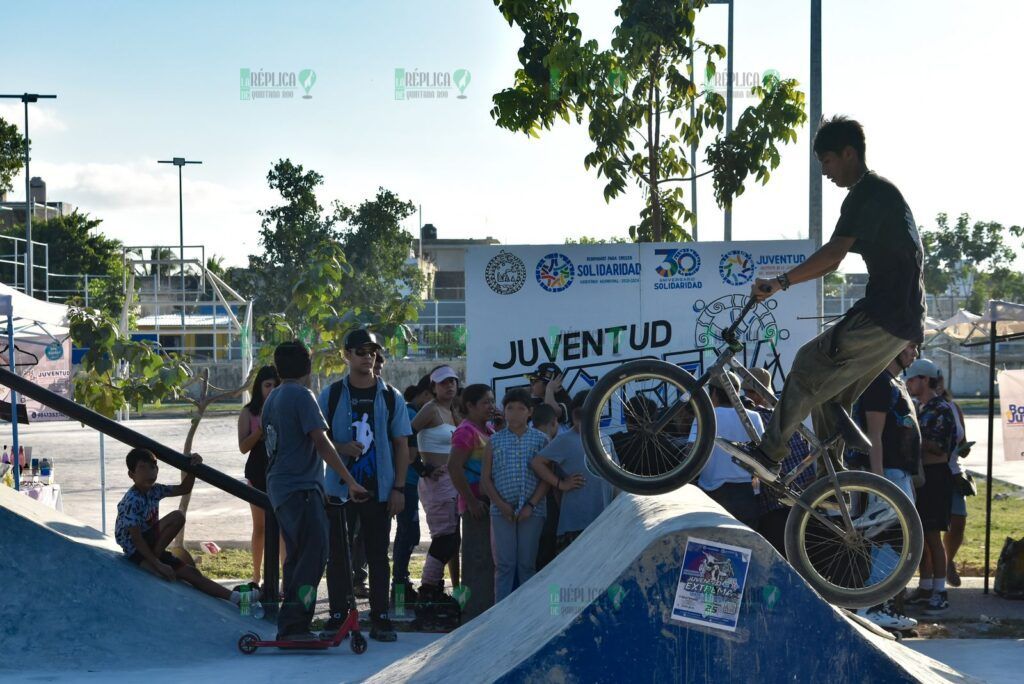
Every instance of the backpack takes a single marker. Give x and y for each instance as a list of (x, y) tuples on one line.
[(335, 396), (1010, 570)]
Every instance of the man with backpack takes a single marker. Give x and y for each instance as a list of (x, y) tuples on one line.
[(369, 425)]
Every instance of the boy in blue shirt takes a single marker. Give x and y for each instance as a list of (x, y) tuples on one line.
[(297, 446)]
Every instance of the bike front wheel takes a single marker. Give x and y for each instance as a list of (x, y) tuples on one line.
[(621, 434), (861, 562)]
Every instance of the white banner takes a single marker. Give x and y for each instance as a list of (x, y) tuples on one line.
[(1011, 401), (47, 365), (591, 307)]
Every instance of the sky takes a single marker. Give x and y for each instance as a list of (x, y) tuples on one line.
[(933, 81)]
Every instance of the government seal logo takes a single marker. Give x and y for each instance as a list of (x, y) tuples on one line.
[(505, 273)]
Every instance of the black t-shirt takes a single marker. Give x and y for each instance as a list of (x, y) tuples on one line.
[(364, 468), (875, 213), (901, 436)]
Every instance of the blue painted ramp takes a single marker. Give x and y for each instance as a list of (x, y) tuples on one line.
[(71, 602), (602, 612)]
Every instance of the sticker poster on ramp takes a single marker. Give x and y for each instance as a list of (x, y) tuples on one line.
[(589, 308), (711, 581)]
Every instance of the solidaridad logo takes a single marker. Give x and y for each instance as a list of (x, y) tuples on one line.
[(505, 273), (555, 272), (736, 267), (683, 262)]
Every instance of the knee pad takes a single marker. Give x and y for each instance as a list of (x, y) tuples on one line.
[(443, 547)]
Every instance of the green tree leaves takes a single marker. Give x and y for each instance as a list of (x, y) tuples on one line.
[(12, 154), (637, 97)]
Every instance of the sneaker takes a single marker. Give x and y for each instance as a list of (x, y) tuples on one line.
[(952, 576), (918, 597), (898, 620), (887, 618), (334, 622), (938, 604), (878, 514), (361, 590), (381, 629), (749, 454)]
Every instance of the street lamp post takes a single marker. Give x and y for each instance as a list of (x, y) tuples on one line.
[(27, 98), (180, 162)]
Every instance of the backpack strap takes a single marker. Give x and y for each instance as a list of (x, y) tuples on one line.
[(333, 397)]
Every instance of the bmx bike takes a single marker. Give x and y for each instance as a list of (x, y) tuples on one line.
[(852, 535)]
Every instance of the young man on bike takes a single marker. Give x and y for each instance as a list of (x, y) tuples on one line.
[(841, 362)]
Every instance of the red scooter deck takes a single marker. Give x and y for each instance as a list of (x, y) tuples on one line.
[(251, 641)]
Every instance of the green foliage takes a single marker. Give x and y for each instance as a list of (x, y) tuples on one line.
[(76, 247), (955, 255), (289, 233), (584, 240), (116, 371), (637, 97), (12, 154), (833, 284), (447, 342)]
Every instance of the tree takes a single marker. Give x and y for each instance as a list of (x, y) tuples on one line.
[(385, 279), (637, 96), (12, 155), (972, 261), (77, 248), (117, 371), (289, 233)]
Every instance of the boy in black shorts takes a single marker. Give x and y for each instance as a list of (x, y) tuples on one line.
[(144, 535)]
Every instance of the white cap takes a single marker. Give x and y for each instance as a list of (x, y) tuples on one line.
[(442, 374)]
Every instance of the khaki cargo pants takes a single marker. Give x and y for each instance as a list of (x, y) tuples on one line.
[(836, 366)]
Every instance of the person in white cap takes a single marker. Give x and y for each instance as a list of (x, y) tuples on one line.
[(434, 425), (938, 441)]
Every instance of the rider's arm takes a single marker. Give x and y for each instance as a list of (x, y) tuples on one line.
[(247, 437), (824, 261), (876, 424)]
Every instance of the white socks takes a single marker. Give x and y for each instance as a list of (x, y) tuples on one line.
[(938, 584), (925, 584)]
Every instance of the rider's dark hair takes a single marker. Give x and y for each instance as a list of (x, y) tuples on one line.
[(136, 455), (292, 360), (838, 133)]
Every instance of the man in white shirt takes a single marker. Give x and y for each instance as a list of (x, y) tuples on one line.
[(724, 481)]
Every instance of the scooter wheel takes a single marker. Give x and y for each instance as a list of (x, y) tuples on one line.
[(358, 643), (247, 643)]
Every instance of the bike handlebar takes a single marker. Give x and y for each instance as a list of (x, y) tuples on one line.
[(729, 334)]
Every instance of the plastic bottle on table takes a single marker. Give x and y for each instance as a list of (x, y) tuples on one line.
[(257, 610), (244, 603)]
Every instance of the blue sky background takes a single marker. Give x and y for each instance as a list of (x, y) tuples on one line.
[(935, 84)]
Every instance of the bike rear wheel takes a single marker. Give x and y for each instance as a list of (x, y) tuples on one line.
[(629, 401), (868, 564)]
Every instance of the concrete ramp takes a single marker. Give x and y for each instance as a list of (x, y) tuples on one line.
[(70, 601), (602, 612)]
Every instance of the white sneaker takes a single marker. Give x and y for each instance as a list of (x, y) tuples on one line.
[(886, 618), (877, 516)]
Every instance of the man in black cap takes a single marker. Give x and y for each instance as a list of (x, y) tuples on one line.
[(369, 426), (546, 388)]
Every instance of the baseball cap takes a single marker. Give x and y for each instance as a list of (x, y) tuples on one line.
[(362, 337), (923, 367), (546, 371), (762, 375), (734, 380), (442, 374)]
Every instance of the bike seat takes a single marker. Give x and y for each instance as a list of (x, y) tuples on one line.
[(850, 431)]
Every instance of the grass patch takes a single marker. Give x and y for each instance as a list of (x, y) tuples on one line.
[(185, 410), (1007, 521), (237, 563)]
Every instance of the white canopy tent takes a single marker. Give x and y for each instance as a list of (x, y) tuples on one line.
[(29, 320)]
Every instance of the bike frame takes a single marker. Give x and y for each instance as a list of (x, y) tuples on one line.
[(782, 487)]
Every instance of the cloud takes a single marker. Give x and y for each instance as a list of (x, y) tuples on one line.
[(41, 118)]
